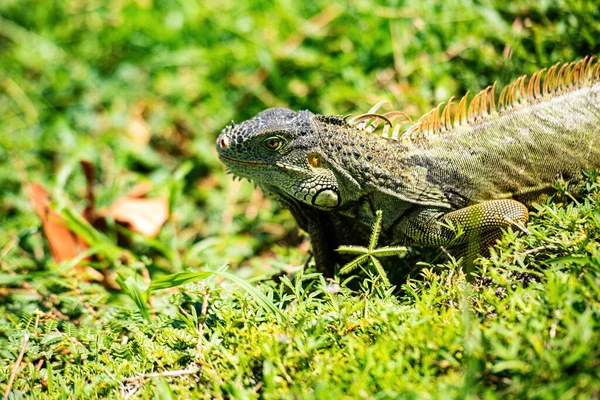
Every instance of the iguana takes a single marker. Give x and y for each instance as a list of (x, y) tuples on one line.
[(477, 167)]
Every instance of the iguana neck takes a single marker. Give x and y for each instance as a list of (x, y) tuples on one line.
[(370, 164)]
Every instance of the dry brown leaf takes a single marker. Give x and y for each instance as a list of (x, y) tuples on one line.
[(145, 216), (141, 189), (64, 244)]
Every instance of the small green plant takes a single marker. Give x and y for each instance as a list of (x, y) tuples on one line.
[(371, 253)]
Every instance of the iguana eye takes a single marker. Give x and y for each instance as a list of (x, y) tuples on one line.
[(273, 143)]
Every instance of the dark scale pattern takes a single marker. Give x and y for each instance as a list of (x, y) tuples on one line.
[(456, 187), (465, 177)]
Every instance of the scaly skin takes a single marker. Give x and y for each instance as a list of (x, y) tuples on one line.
[(480, 173)]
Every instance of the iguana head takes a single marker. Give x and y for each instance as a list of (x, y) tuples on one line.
[(279, 150)]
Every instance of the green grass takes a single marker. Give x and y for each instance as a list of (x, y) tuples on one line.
[(141, 88)]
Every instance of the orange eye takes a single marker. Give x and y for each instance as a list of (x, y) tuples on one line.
[(273, 143)]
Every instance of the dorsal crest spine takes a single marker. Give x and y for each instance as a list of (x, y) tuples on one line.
[(557, 80)]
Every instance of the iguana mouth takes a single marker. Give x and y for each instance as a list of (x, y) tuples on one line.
[(255, 163), (234, 160)]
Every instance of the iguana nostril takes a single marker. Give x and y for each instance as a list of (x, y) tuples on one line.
[(224, 142)]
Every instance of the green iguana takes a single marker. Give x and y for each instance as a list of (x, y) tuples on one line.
[(477, 167)]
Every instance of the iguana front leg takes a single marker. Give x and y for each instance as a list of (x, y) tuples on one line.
[(481, 223), (319, 227)]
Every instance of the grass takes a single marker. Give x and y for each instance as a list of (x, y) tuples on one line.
[(141, 88)]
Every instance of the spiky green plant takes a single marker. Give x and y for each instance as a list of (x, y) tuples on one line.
[(371, 252)]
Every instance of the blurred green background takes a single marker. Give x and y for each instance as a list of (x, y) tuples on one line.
[(141, 88)]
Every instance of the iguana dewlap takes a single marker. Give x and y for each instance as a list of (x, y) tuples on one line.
[(477, 167)]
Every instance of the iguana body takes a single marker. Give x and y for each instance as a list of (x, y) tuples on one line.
[(479, 171)]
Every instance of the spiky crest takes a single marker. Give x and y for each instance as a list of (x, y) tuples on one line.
[(558, 79)]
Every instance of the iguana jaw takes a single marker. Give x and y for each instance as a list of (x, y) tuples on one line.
[(255, 163), (243, 162), (242, 169), (302, 187), (229, 160)]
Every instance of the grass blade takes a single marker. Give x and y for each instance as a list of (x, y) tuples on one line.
[(173, 280), (131, 288)]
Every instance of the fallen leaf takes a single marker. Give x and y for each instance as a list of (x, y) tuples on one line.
[(63, 244), (141, 189), (145, 216)]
